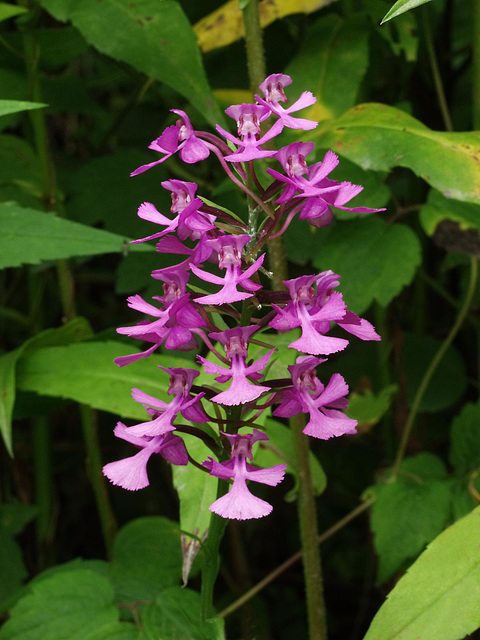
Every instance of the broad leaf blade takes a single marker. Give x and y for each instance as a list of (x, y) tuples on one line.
[(439, 597), (153, 37), (380, 137), (28, 236), (86, 373)]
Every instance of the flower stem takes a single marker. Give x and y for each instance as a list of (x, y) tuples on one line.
[(309, 534), (212, 558), (254, 45), (433, 366)]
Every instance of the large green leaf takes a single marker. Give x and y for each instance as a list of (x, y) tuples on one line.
[(14, 106), (9, 11), (85, 372), (77, 329), (153, 36), (439, 597), (146, 558), (408, 513), (380, 137), (28, 237), (73, 605), (331, 64), (176, 615), (375, 259)]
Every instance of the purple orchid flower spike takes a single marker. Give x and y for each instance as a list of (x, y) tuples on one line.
[(248, 118), (241, 389), (229, 250), (178, 137), (176, 320), (164, 413), (239, 503), (131, 473), (273, 90), (323, 403)]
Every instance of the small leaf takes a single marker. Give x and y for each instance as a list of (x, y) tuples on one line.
[(438, 598), (14, 106), (28, 236), (401, 6), (368, 408)]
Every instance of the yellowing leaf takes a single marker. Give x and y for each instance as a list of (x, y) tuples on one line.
[(225, 25)]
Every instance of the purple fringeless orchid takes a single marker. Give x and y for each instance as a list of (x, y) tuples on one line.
[(273, 90), (323, 403), (239, 503)]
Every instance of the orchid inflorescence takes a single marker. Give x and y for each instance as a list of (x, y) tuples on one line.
[(211, 237)]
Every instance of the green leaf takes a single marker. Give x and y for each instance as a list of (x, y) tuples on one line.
[(367, 407), (75, 605), (449, 380), (376, 260), (18, 162), (465, 439), (380, 137), (28, 237), (332, 63), (408, 513), (12, 568), (153, 37), (9, 11), (77, 329), (14, 106), (94, 379), (146, 558), (14, 517), (401, 6), (438, 598), (454, 225), (176, 615)]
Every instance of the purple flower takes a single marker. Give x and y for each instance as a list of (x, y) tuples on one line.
[(309, 395), (131, 473), (248, 118), (241, 390), (272, 89), (178, 137), (175, 320), (313, 309), (239, 503), (164, 413), (229, 250)]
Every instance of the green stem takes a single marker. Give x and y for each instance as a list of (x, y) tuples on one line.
[(433, 366), (248, 595), (43, 490), (437, 79), (254, 44), (476, 64), (212, 557), (96, 477), (309, 535)]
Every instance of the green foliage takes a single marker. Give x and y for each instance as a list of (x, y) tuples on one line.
[(14, 106), (401, 6), (438, 597)]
